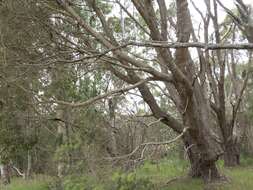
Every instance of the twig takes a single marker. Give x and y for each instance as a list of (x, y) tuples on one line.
[(149, 144), (154, 122), (99, 97), (187, 149)]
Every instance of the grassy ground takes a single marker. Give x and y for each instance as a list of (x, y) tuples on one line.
[(171, 175), (167, 175), (37, 183)]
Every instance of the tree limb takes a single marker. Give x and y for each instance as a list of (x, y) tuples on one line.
[(150, 144)]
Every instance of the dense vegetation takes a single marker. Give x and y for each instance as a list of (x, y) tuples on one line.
[(125, 95)]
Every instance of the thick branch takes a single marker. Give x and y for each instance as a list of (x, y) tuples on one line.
[(176, 45)]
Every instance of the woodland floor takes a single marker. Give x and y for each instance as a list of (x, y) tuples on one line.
[(167, 175)]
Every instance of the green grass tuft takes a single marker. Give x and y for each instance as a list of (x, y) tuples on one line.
[(38, 183)]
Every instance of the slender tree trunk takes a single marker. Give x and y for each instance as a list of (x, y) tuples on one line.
[(29, 164), (61, 135), (113, 142), (5, 174)]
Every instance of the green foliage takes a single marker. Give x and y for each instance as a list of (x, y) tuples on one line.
[(246, 160), (165, 169), (38, 183), (130, 182), (147, 177), (80, 183)]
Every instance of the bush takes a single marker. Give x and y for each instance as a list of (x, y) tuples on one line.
[(81, 183), (130, 182)]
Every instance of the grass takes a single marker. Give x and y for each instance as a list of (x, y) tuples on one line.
[(167, 175), (239, 179), (173, 172), (38, 183)]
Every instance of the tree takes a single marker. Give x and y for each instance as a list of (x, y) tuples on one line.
[(138, 51), (178, 73), (197, 90), (243, 21)]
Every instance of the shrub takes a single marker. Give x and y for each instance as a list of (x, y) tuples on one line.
[(130, 182)]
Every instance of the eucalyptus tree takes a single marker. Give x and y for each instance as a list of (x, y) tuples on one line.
[(135, 46), (195, 87), (233, 121), (177, 72)]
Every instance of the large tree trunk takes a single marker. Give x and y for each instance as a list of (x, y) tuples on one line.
[(112, 150), (200, 166), (206, 169), (203, 149)]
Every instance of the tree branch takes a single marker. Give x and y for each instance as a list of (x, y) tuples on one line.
[(177, 45), (99, 97), (150, 144)]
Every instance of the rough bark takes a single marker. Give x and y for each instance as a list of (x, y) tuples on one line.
[(200, 167), (231, 155)]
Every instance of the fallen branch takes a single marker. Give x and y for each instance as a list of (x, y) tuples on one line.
[(18, 171)]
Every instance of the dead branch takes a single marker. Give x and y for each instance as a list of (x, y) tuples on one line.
[(176, 45), (144, 145), (102, 96), (18, 171)]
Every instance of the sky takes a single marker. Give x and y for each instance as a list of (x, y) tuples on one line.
[(228, 3)]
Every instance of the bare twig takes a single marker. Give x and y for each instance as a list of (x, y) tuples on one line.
[(154, 122), (99, 97), (132, 17), (149, 144)]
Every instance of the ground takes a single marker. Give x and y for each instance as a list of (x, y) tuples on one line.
[(167, 175)]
